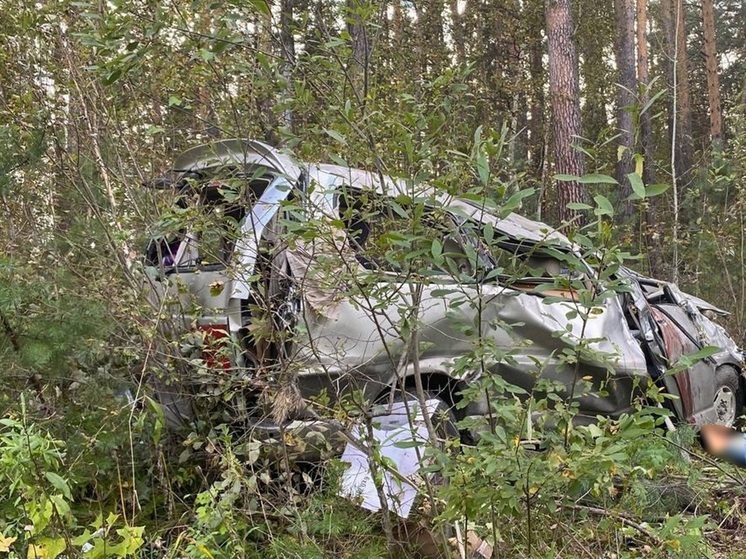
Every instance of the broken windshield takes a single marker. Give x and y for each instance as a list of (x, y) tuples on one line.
[(201, 228)]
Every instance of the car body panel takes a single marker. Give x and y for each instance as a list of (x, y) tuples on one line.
[(348, 325)]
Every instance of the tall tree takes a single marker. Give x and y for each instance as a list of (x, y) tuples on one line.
[(595, 27), (713, 77), (534, 17), (565, 101), (646, 136), (358, 28), (434, 55), (287, 46), (457, 31), (677, 70), (643, 80), (624, 12)]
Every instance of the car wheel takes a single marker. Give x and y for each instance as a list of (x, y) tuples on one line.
[(728, 399)]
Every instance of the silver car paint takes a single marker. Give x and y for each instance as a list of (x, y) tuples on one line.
[(348, 342)]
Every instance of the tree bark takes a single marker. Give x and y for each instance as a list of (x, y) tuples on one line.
[(594, 31), (646, 139), (624, 11), (680, 120), (564, 98), (536, 133), (457, 32), (433, 53), (287, 45), (713, 78), (360, 39), (685, 103)]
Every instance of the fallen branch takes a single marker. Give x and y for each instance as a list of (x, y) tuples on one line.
[(621, 517)]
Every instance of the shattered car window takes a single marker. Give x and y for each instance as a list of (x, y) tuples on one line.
[(205, 222), (384, 236)]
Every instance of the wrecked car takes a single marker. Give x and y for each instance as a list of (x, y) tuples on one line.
[(286, 282)]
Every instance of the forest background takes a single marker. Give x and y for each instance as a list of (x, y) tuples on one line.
[(563, 101)]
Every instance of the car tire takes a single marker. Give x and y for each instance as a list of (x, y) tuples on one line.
[(728, 399)]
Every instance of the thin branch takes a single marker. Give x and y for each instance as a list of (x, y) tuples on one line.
[(621, 517)]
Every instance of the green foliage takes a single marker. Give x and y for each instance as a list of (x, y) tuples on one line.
[(50, 325), (100, 96), (38, 512)]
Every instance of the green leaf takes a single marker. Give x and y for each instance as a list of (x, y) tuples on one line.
[(638, 187), (336, 135), (337, 159), (620, 152), (59, 484), (436, 249), (656, 189), (604, 207), (566, 178), (516, 199), (597, 179), (408, 444), (702, 354), (593, 178), (260, 5), (578, 206), (113, 76)]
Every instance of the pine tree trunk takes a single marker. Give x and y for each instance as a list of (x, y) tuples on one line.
[(267, 119), (360, 39), (680, 121), (624, 44), (434, 56), (646, 140), (536, 132), (643, 80), (685, 103), (564, 98), (667, 27), (457, 32), (287, 45), (713, 79)]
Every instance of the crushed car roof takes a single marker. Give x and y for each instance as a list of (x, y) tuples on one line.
[(252, 153)]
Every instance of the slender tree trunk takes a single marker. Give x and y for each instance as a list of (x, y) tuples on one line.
[(536, 135), (593, 38), (624, 44), (536, 125), (434, 55), (646, 139), (358, 29), (678, 116), (457, 32), (677, 70), (713, 79), (643, 80), (398, 23), (564, 97), (685, 102), (669, 35), (267, 119), (678, 77), (287, 45), (516, 72)]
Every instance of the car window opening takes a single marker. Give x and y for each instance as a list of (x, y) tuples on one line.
[(210, 212), (384, 239)]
